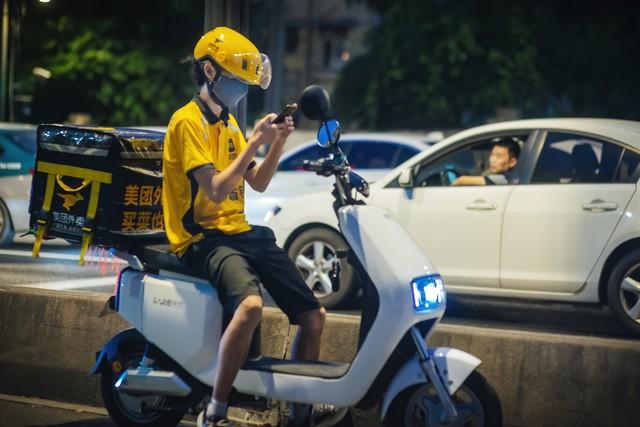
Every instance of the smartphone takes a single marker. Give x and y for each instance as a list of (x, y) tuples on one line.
[(288, 110)]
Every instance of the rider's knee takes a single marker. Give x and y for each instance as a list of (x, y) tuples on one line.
[(251, 309)]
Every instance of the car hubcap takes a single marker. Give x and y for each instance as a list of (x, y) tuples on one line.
[(630, 293), (315, 262)]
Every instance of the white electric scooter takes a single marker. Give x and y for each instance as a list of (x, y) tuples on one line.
[(164, 366)]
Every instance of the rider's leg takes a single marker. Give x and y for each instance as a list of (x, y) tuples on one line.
[(234, 345), (239, 292), (306, 345)]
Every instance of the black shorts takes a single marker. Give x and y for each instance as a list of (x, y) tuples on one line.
[(237, 264)]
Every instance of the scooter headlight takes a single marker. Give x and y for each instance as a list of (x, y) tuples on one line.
[(428, 293)]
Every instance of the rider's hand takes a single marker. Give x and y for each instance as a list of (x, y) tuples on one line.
[(265, 130), (284, 129)]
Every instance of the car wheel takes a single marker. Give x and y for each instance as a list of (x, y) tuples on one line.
[(6, 228), (313, 253), (623, 292)]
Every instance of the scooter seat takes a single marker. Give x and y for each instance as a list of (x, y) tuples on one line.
[(160, 257), (317, 369)]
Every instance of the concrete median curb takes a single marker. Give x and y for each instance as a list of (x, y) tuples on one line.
[(48, 341)]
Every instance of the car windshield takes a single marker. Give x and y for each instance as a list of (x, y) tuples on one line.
[(25, 139)]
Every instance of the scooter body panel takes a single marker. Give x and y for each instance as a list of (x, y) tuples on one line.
[(181, 315), (454, 366)]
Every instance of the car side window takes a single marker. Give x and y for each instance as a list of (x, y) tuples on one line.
[(570, 158), (472, 159), (294, 163), (629, 170), (405, 154), (373, 155), (13, 160), (25, 139)]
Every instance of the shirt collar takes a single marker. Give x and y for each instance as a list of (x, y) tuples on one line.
[(208, 114)]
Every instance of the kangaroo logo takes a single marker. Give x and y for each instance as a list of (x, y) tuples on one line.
[(70, 199)]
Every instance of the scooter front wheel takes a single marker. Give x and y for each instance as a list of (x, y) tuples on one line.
[(476, 402), (137, 411)]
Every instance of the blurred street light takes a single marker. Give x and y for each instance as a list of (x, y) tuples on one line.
[(41, 72)]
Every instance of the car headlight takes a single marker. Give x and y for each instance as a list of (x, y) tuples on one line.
[(428, 293), (271, 213)]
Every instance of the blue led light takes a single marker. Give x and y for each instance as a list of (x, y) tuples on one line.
[(428, 293)]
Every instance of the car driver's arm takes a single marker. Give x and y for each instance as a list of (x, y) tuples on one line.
[(469, 180)]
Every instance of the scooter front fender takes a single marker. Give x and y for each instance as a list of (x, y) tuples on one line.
[(453, 365), (111, 349)]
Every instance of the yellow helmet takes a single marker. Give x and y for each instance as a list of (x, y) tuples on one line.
[(236, 55)]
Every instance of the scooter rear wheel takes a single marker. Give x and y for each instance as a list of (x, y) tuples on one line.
[(476, 402), (131, 411)]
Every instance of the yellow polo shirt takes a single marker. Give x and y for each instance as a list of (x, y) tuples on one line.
[(197, 139)]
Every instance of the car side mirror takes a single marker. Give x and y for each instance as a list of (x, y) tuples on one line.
[(406, 178)]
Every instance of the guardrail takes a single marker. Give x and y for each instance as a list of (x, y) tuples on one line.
[(48, 342)]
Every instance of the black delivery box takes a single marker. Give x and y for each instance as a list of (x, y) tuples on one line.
[(97, 186)]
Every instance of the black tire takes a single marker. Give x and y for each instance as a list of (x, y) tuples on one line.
[(624, 300), (475, 399), (331, 241), (6, 226), (119, 405)]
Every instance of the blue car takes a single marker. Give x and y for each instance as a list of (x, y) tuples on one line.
[(17, 163)]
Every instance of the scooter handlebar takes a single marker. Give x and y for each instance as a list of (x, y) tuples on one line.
[(312, 165)]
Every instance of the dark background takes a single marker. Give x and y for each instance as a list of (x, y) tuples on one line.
[(430, 64)]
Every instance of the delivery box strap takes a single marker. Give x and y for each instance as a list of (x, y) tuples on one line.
[(87, 230), (74, 171), (42, 220)]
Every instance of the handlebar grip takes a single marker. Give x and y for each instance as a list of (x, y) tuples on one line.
[(311, 165)]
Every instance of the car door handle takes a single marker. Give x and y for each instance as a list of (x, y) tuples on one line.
[(481, 205), (599, 205)]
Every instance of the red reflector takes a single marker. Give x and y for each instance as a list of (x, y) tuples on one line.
[(32, 171)]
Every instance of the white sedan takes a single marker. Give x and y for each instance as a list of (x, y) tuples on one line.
[(373, 155), (565, 228), (17, 160)]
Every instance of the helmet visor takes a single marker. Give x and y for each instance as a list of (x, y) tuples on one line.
[(250, 68)]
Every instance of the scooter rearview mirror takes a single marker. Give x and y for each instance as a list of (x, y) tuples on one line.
[(329, 133), (314, 103)]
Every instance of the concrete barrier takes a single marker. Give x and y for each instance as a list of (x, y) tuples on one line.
[(48, 341)]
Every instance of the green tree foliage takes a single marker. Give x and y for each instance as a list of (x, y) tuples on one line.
[(121, 63), (446, 63)]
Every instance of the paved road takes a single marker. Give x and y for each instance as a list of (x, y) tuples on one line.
[(57, 269), (18, 411)]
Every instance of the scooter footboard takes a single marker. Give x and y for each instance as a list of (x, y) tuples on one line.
[(454, 366)]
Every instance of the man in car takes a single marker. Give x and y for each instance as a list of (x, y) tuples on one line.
[(205, 163), (502, 159)]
